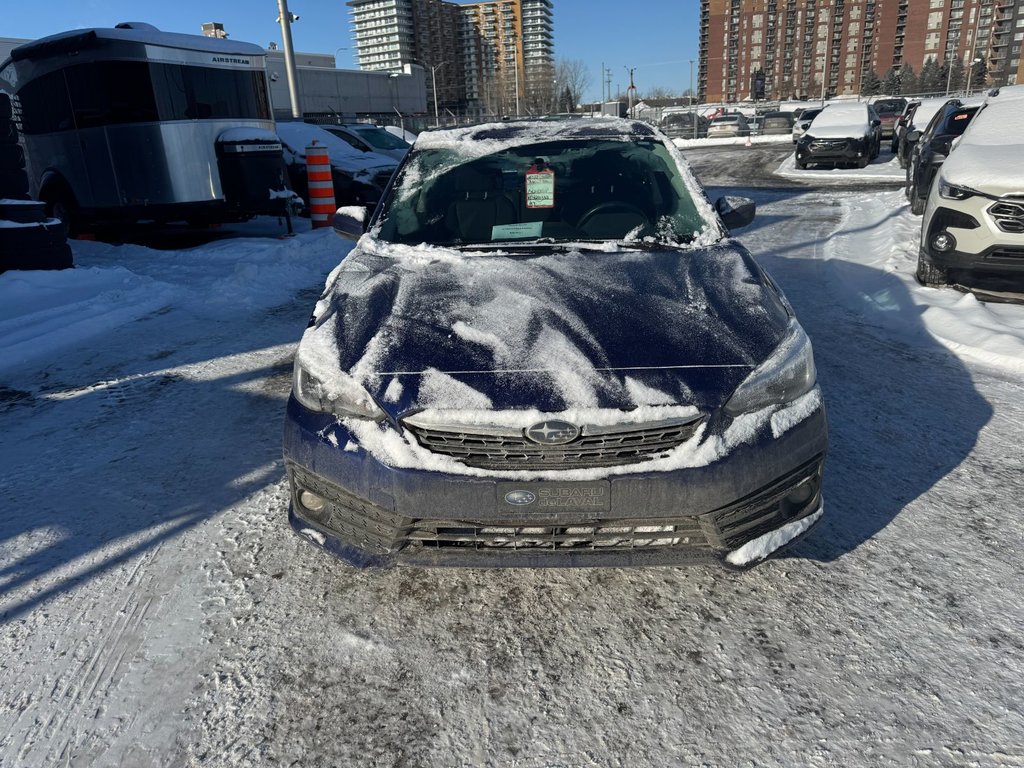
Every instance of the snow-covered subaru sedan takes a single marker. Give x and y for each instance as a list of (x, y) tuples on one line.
[(546, 349)]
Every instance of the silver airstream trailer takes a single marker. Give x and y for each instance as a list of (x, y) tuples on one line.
[(134, 124)]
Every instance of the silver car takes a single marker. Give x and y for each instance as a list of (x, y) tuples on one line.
[(729, 125)]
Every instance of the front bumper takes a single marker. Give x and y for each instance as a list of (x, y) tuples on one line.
[(980, 244), (831, 150), (379, 516)]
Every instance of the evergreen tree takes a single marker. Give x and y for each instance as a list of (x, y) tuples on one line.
[(929, 78), (891, 82), (906, 80), (567, 100), (979, 75), (871, 84)]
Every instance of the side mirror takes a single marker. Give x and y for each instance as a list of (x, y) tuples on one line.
[(876, 123), (736, 212), (913, 136), (350, 222)]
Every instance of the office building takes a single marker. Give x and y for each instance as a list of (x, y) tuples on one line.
[(804, 48), (485, 57)]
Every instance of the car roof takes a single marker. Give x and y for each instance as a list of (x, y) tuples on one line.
[(537, 131)]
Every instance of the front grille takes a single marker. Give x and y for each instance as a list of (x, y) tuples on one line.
[(508, 449), (1009, 216), (828, 144), (599, 535)]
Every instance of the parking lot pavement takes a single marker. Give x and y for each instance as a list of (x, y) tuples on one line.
[(155, 609)]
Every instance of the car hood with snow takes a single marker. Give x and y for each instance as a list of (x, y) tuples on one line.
[(437, 328), (296, 137), (989, 157), (840, 121)]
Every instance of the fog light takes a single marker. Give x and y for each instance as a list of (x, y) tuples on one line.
[(801, 494), (943, 242), (312, 502)]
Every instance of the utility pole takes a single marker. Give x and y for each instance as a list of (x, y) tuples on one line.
[(630, 91), (285, 18), (693, 109), (515, 63), (828, 42)]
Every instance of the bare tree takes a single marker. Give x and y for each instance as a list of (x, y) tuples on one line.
[(572, 75), (659, 92)]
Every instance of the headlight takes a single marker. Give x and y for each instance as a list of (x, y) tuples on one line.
[(788, 373), (951, 192), (348, 398)]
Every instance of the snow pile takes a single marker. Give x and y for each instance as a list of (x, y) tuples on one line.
[(777, 138), (882, 168), (42, 312), (879, 231)]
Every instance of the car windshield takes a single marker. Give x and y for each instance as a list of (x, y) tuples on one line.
[(889, 106), (565, 190), (378, 138)]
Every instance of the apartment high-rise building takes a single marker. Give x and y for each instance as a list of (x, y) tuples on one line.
[(804, 48), (486, 57)]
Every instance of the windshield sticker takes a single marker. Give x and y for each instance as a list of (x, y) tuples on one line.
[(540, 187), (528, 229)]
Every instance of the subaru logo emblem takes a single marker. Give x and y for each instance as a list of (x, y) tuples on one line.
[(553, 432), (520, 498)]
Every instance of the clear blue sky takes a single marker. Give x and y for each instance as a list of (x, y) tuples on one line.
[(657, 37)]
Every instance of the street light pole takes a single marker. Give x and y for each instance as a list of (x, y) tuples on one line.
[(828, 41), (286, 19), (693, 111), (515, 67), (433, 79)]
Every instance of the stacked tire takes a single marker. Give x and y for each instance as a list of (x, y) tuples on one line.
[(28, 239)]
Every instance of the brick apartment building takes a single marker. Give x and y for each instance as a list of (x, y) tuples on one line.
[(801, 45), (484, 56)]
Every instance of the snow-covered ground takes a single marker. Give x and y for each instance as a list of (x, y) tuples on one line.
[(156, 610), (728, 141), (885, 167)]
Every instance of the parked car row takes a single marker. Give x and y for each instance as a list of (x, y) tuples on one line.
[(966, 176)]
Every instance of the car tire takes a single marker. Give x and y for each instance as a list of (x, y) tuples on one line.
[(930, 275), (51, 257), (917, 203), (801, 165), (863, 162), (29, 213)]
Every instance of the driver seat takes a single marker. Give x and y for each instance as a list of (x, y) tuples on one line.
[(479, 205)]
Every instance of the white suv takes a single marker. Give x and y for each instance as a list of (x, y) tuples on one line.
[(974, 219)]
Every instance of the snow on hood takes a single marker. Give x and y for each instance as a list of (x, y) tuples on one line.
[(248, 134), (990, 155), (551, 331), (297, 136), (840, 121), (925, 112)]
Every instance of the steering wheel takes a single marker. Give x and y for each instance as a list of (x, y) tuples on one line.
[(612, 207)]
